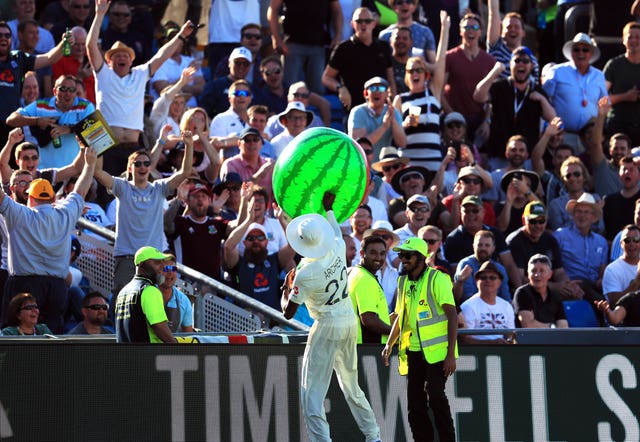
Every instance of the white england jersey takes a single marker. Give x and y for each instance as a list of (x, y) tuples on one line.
[(322, 285)]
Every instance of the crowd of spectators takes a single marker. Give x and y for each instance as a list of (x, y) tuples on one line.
[(513, 160)]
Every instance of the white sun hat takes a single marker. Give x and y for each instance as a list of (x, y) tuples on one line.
[(311, 235)]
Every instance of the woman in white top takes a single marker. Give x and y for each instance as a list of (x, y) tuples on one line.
[(423, 127)]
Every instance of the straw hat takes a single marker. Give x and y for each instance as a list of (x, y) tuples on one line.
[(118, 46), (388, 155)]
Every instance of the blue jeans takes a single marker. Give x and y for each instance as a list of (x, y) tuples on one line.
[(304, 62)]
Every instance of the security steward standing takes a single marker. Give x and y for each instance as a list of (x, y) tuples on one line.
[(427, 327), (140, 315)]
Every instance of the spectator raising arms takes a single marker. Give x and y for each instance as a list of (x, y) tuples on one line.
[(121, 88), (139, 220), (420, 107), (46, 240)]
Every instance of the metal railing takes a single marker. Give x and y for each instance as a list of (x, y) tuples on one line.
[(211, 297)]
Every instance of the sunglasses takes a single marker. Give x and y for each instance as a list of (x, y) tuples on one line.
[(522, 61), (366, 21), (250, 36), (421, 209), (275, 71), (392, 167), (538, 221), (431, 241), (241, 93), (97, 307), (475, 210), (30, 307), (406, 255), (66, 89), (369, 152), (580, 49), (468, 180), (301, 94), (635, 240), (253, 139), (575, 173), (252, 238), (234, 188), (29, 158), (455, 125), (472, 28), (377, 88), (22, 183), (415, 70), (487, 277), (170, 268), (403, 2), (145, 163), (121, 14), (410, 176), (5, 34)]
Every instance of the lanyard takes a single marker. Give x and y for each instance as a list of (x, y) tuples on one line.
[(583, 89), (518, 105)]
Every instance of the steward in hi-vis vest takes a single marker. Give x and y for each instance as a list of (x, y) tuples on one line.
[(427, 328), (367, 295)]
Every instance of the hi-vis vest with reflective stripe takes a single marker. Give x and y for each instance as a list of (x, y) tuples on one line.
[(431, 325)]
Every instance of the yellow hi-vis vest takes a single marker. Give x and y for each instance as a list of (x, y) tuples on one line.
[(431, 323)]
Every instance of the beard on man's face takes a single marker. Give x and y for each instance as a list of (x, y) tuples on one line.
[(256, 256), (149, 272)]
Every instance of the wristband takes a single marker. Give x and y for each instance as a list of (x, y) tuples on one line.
[(184, 40), (162, 142)]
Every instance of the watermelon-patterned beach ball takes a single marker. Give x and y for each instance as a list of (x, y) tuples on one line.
[(320, 159)]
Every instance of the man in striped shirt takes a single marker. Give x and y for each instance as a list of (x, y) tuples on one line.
[(503, 37)]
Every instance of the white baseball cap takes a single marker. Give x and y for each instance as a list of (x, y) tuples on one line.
[(241, 52), (252, 227)]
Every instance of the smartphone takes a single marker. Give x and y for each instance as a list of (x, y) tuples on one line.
[(457, 146)]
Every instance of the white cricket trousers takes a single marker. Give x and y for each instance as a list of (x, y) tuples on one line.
[(332, 346)]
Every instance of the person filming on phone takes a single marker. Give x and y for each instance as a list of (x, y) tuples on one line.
[(377, 119)]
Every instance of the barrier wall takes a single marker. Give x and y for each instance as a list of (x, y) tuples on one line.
[(108, 392)]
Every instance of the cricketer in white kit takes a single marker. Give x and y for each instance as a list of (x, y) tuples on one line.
[(320, 281)]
